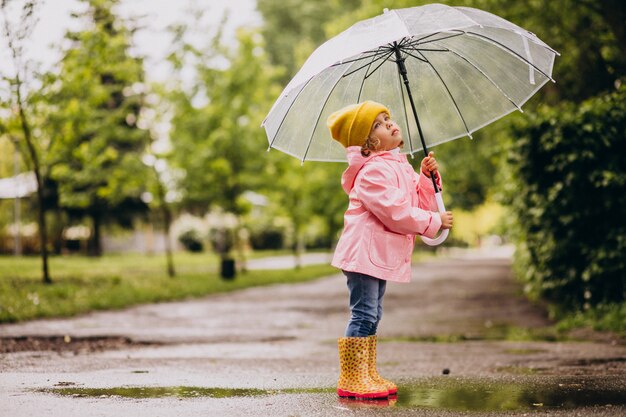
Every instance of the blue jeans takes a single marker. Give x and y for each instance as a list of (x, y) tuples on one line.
[(366, 304)]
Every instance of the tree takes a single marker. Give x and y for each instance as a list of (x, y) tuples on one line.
[(303, 192), (217, 144), (294, 28), (568, 191), (96, 101), (20, 103), (161, 184)]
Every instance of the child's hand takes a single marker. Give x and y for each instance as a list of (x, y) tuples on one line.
[(446, 219), (429, 165)]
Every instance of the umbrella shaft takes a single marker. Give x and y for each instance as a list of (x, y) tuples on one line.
[(403, 73)]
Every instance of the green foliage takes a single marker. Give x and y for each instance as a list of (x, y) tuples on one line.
[(305, 192), (604, 317), (218, 146), (294, 28), (87, 284), (569, 194), (94, 104)]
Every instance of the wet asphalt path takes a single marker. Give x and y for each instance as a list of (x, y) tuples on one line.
[(282, 337)]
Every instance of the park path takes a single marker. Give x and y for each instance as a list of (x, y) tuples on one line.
[(454, 315)]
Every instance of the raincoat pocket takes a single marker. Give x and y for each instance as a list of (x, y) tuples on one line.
[(388, 250)]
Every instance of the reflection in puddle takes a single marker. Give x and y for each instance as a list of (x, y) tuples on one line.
[(178, 392), (159, 392), (354, 404), (436, 393), (469, 395)]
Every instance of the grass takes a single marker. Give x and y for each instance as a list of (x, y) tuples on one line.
[(115, 281), (605, 317), (498, 332)]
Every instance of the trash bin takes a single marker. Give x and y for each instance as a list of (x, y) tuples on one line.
[(228, 269)]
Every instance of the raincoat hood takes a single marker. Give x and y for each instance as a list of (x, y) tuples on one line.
[(356, 161)]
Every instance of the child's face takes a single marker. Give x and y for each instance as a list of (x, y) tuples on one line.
[(387, 131)]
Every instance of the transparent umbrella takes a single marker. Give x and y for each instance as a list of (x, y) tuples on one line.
[(444, 72)]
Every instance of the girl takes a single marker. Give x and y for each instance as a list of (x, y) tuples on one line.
[(389, 205)]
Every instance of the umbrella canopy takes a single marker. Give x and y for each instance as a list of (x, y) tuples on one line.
[(467, 68)]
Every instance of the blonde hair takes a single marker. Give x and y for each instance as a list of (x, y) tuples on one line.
[(372, 144)]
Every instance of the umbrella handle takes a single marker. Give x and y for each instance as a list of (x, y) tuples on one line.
[(444, 235)]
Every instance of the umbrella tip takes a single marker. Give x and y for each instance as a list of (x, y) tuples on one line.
[(385, 10), (268, 148)]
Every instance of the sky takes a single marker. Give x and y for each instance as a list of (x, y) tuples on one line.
[(152, 42)]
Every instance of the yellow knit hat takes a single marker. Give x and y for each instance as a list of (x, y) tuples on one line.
[(351, 125)]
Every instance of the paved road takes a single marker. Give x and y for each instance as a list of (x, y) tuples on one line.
[(453, 315), (288, 261)]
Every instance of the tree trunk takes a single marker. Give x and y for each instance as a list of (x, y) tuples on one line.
[(41, 215), (17, 209), (240, 247), (167, 224), (167, 220), (43, 233), (57, 233), (95, 241), (298, 247)]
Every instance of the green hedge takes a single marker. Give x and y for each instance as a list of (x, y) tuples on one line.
[(569, 194)]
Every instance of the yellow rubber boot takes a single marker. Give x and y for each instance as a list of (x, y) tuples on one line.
[(391, 387), (354, 379)]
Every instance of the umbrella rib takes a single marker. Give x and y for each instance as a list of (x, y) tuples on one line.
[(403, 42), (362, 83), (308, 146), (426, 37), (432, 50), (510, 51), (287, 112), (377, 53), (370, 63), (379, 65), (414, 56), (487, 77), (449, 94), (417, 42)]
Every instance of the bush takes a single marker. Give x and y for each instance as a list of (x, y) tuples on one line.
[(191, 240), (569, 194), (267, 239)]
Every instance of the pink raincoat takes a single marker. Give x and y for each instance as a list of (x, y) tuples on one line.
[(389, 205)]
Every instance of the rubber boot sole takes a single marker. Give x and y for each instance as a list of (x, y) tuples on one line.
[(369, 395)]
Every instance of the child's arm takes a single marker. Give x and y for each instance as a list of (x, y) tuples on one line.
[(379, 193)]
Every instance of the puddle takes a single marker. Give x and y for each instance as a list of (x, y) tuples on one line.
[(459, 395), (437, 393), (159, 392), (178, 392)]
